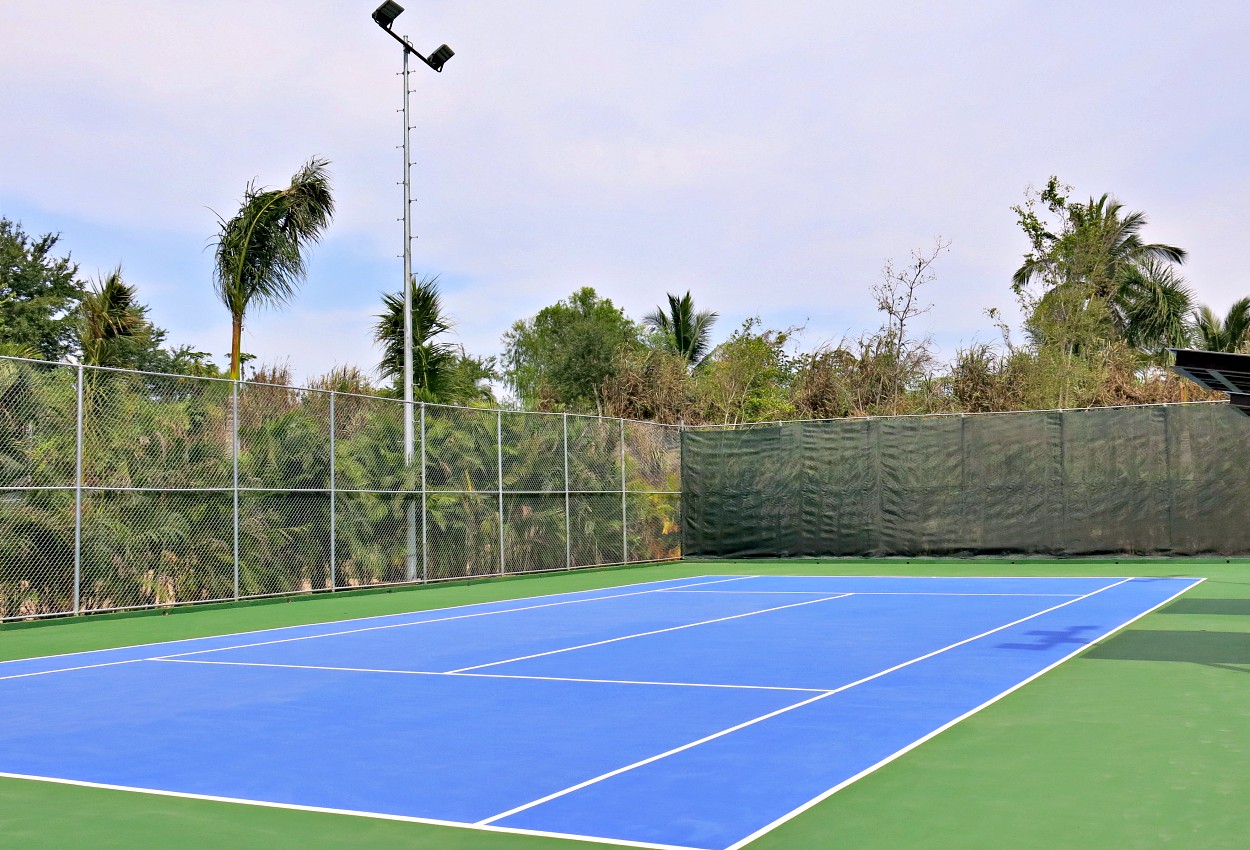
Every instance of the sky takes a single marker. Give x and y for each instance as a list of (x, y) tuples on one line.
[(767, 156)]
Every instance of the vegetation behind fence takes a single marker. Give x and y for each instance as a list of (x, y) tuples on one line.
[(123, 489)]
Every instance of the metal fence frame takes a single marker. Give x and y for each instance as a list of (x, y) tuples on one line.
[(418, 538)]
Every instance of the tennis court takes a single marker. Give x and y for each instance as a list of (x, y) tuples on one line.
[(693, 712)]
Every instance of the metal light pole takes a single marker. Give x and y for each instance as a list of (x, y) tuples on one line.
[(384, 16)]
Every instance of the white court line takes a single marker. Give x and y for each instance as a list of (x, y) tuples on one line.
[(856, 592), (428, 621), (485, 675), (1017, 577), (773, 714), (358, 620), (835, 789), (69, 669), (653, 632), (619, 842)]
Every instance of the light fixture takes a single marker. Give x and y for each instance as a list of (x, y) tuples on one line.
[(439, 57), (386, 14)]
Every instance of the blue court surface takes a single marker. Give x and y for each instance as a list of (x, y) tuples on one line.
[(691, 713)]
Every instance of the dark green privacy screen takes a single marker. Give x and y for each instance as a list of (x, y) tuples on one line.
[(1147, 480)]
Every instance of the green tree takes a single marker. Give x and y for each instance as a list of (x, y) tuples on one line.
[(441, 371), (260, 252), (560, 358), (1091, 244), (39, 294), (433, 359), (683, 330), (1211, 333), (1097, 278), (1092, 289), (112, 324), (747, 377), (1153, 306)]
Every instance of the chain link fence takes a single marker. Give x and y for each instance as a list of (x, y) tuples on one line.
[(123, 489)]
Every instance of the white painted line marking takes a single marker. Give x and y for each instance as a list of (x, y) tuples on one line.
[(68, 669), (370, 617), (652, 632), (432, 620), (773, 714), (486, 675), (646, 761), (855, 592), (835, 789), (158, 792)]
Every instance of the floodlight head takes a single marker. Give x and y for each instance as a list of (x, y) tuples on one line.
[(439, 57), (386, 14)]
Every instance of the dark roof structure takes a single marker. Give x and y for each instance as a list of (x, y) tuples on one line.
[(1218, 371)]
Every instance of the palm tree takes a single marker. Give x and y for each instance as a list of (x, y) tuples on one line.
[(1098, 245), (1210, 333), (433, 361), (111, 322), (1152, 307), (260, 252), (682, 330)]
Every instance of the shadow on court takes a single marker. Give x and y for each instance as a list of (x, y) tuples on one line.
[(1231, 607), (1217, 649), (1044, 639)]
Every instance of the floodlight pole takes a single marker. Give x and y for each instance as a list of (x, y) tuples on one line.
[(384, 17), (410, 564)]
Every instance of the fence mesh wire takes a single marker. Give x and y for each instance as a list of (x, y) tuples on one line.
[(123, 489), (1163, 480)]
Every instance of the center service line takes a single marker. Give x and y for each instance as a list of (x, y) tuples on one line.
[(772, 714)]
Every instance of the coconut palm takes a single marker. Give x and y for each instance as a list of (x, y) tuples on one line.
[(683, 330), (1152, 306), (1099, 243), (1211, 333), (260, 251), (111, 322), (433, 361)]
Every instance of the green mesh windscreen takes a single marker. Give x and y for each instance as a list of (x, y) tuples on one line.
[(1151, 480)]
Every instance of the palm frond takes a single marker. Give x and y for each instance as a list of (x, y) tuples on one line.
[(433, 361), (1153, 304), (110, 315), (260, 252), (683, 330)]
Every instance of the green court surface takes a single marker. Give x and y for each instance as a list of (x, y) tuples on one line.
[(1142, 741)]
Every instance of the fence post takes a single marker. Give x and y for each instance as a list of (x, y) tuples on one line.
[(334, 579), (425, 508), (624, 508), (78, 497), (234, 442), (499, 459), (568, 516)]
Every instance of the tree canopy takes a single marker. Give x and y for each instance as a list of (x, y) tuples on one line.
[(682, 329), (260, 256), (559, 359), (39, 294)]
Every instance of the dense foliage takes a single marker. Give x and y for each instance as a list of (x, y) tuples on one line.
[(38, 294), (159, 467), (561, 358)]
